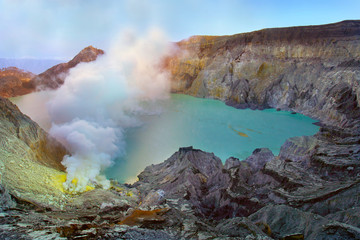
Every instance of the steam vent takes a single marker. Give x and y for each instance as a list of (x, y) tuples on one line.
[(53, 172)]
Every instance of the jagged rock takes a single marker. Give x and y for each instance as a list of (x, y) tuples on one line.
[(12, 81), (338, 152), (240, 228), (298, 149), (231, 162), (349, 216), (200, 180), (310, 191), (311, 70), (6, 200), (153, 198), (30, 159), (146, 234), (16, 82), (101, 205), (285, 221), (259, 158), (55, 76), (189, 175), (336, 199)]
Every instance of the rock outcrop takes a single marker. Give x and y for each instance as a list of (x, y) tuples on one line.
[(314, 70), (194, 196), (55, 76), (12, 82), (16, 82), (309, 191), (290, 195), (29, 158)]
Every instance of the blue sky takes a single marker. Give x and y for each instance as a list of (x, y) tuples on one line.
[(61, 28)]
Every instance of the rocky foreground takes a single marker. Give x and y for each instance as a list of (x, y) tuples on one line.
[(300, 194), (311, 190)]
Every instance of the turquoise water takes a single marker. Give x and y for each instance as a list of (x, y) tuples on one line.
[(209, 125)]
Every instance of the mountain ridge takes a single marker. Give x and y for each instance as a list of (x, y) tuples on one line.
[(309, 191), (52, 78), (298, 73)]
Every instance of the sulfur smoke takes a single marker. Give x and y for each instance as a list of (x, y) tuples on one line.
[(100, 100)]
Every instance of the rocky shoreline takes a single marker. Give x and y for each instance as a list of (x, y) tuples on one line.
[(312, 70), (311, 190)]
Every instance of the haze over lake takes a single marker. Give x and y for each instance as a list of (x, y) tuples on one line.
[(209, 125)]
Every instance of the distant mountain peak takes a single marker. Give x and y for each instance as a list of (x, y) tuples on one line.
[(88, 54), (55, 76)]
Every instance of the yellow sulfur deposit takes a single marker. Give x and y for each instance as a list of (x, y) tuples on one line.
[(60, 179), (238, 132)]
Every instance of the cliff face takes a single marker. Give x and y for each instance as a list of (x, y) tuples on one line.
[(29, 158), (314, 70), (309, 191), (294, 193), (12, 80), (55, 76)]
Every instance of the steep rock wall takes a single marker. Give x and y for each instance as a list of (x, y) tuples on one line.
[(314, 70), (30, 160)]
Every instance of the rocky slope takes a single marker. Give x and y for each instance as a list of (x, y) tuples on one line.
[(311, 190), (55, 76), (16, 82), (26, 153), (12, 80), (314, 70)]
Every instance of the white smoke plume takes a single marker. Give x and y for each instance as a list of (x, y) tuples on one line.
[(100, 99)]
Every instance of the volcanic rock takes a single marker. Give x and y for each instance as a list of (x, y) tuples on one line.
[(13, 82), (312, 70), (29, 157), (309, 191), (55, 76), (290, 223)]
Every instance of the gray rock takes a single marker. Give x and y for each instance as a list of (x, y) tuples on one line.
[(6, 201), (259, 158), (311, 70), (231, 162), (285, 221), (349, 216), (190, 175), (240, 228)]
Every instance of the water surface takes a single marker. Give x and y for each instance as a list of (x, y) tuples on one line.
[(209, 125)]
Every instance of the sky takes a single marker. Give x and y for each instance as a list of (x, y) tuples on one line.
[(59, 29)]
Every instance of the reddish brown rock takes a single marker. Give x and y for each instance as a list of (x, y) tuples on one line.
[(55, 76), (13, 82)]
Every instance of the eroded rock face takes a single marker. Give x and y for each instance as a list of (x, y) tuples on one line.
[(290, 195), (6, 201), (55, 76), (313, 70), (199, 181), (13, 82), (309, 191), (290, 223), (16, 82), (26, 153)]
